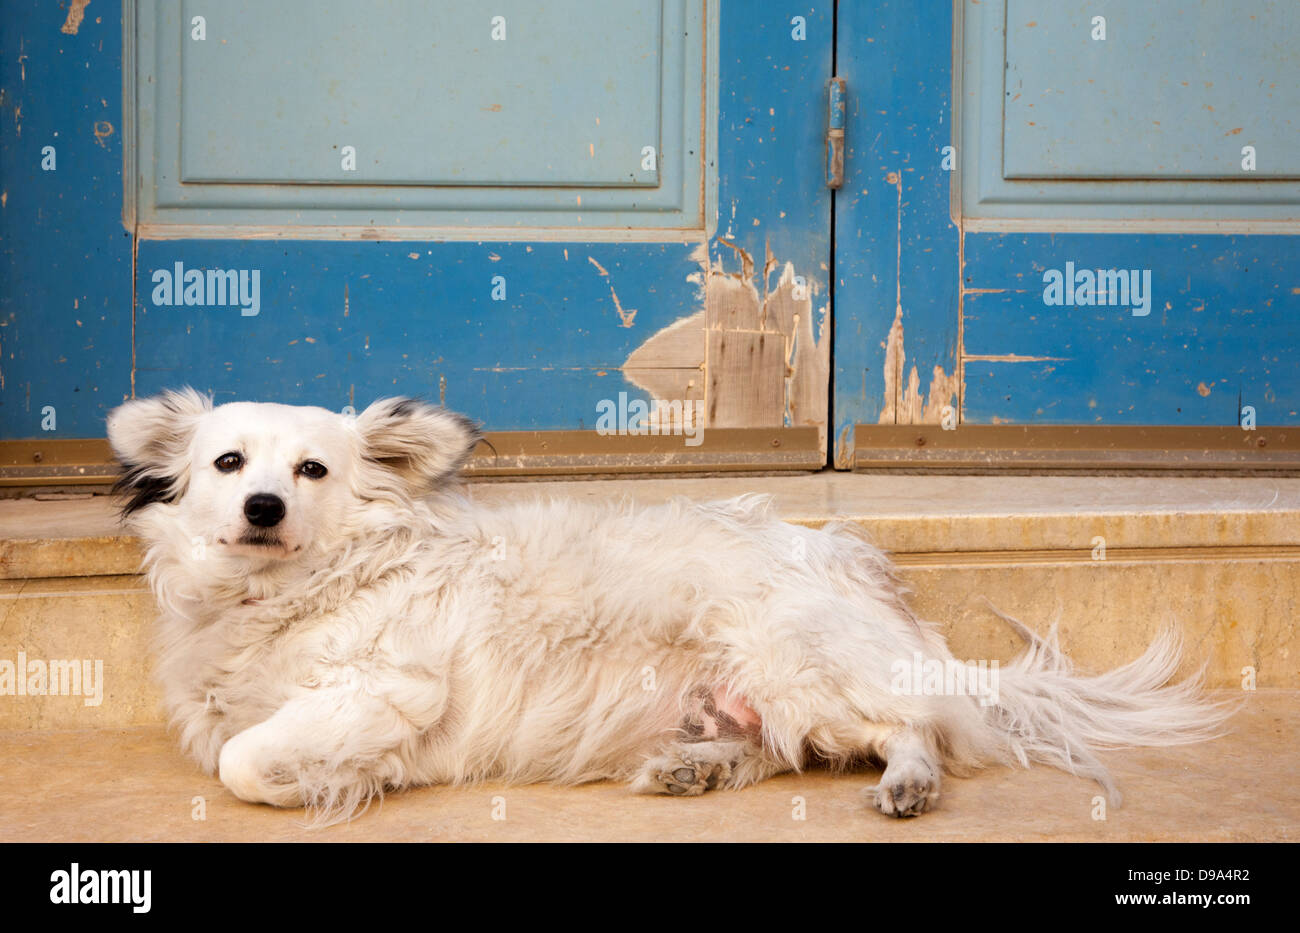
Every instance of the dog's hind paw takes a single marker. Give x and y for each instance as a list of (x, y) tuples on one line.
[(671, 775), (688, 770), (908, 790)]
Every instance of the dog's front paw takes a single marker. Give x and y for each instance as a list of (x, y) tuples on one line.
[(248, 768), (905, 789)]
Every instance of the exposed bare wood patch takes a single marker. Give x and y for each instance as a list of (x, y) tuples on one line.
[(893, 367), (746, 379), (788, 310), (670, 365), (76, 13), (1010, 358), (907, 404), (928, 409), (844, 452), (760, 360)]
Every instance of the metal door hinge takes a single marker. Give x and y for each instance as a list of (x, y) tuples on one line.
[(835, 133)]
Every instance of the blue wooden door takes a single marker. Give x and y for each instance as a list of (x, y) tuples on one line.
[(1072, 213), (527, 211)]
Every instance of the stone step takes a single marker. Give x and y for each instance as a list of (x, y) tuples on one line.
[(1116, 558), (132, 785)]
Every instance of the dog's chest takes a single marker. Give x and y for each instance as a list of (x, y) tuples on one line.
[(251, 663)]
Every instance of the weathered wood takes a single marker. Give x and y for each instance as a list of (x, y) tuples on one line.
[(737, 331), (746, 379)]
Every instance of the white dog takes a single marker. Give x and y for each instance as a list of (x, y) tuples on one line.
[(338, 619)]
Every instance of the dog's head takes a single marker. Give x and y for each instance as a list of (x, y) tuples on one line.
[(266, 481)]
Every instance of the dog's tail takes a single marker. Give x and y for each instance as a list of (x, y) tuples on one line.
[(1044, 712)]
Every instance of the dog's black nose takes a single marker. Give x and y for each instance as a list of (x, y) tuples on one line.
[(264, 510)]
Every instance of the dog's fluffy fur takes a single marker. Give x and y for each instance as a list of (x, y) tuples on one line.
[(390, 632)]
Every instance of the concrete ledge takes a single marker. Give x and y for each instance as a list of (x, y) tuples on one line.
[(1219, 559), (905, 514)]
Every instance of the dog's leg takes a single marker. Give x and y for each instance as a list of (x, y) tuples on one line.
[(255, 767), (331, 750), (719, 746), (910, 783)]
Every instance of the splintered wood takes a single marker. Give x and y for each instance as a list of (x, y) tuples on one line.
[(753, 359)]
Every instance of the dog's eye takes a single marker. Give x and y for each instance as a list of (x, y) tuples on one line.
[(312, 469), (229, 463)]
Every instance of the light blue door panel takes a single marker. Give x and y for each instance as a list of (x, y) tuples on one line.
[(1174, 90), (568, 94), (1185, 112), (396, 118)]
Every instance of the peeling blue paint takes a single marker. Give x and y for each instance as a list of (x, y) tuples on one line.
[(65, 259), (1224, 325), (893, 248), (1224, 328), (341, 323)]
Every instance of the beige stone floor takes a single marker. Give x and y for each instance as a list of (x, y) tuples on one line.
[(133, 785), (1219, 554)]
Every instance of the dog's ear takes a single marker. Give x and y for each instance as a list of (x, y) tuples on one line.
[(151, 438), (423, 443)]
